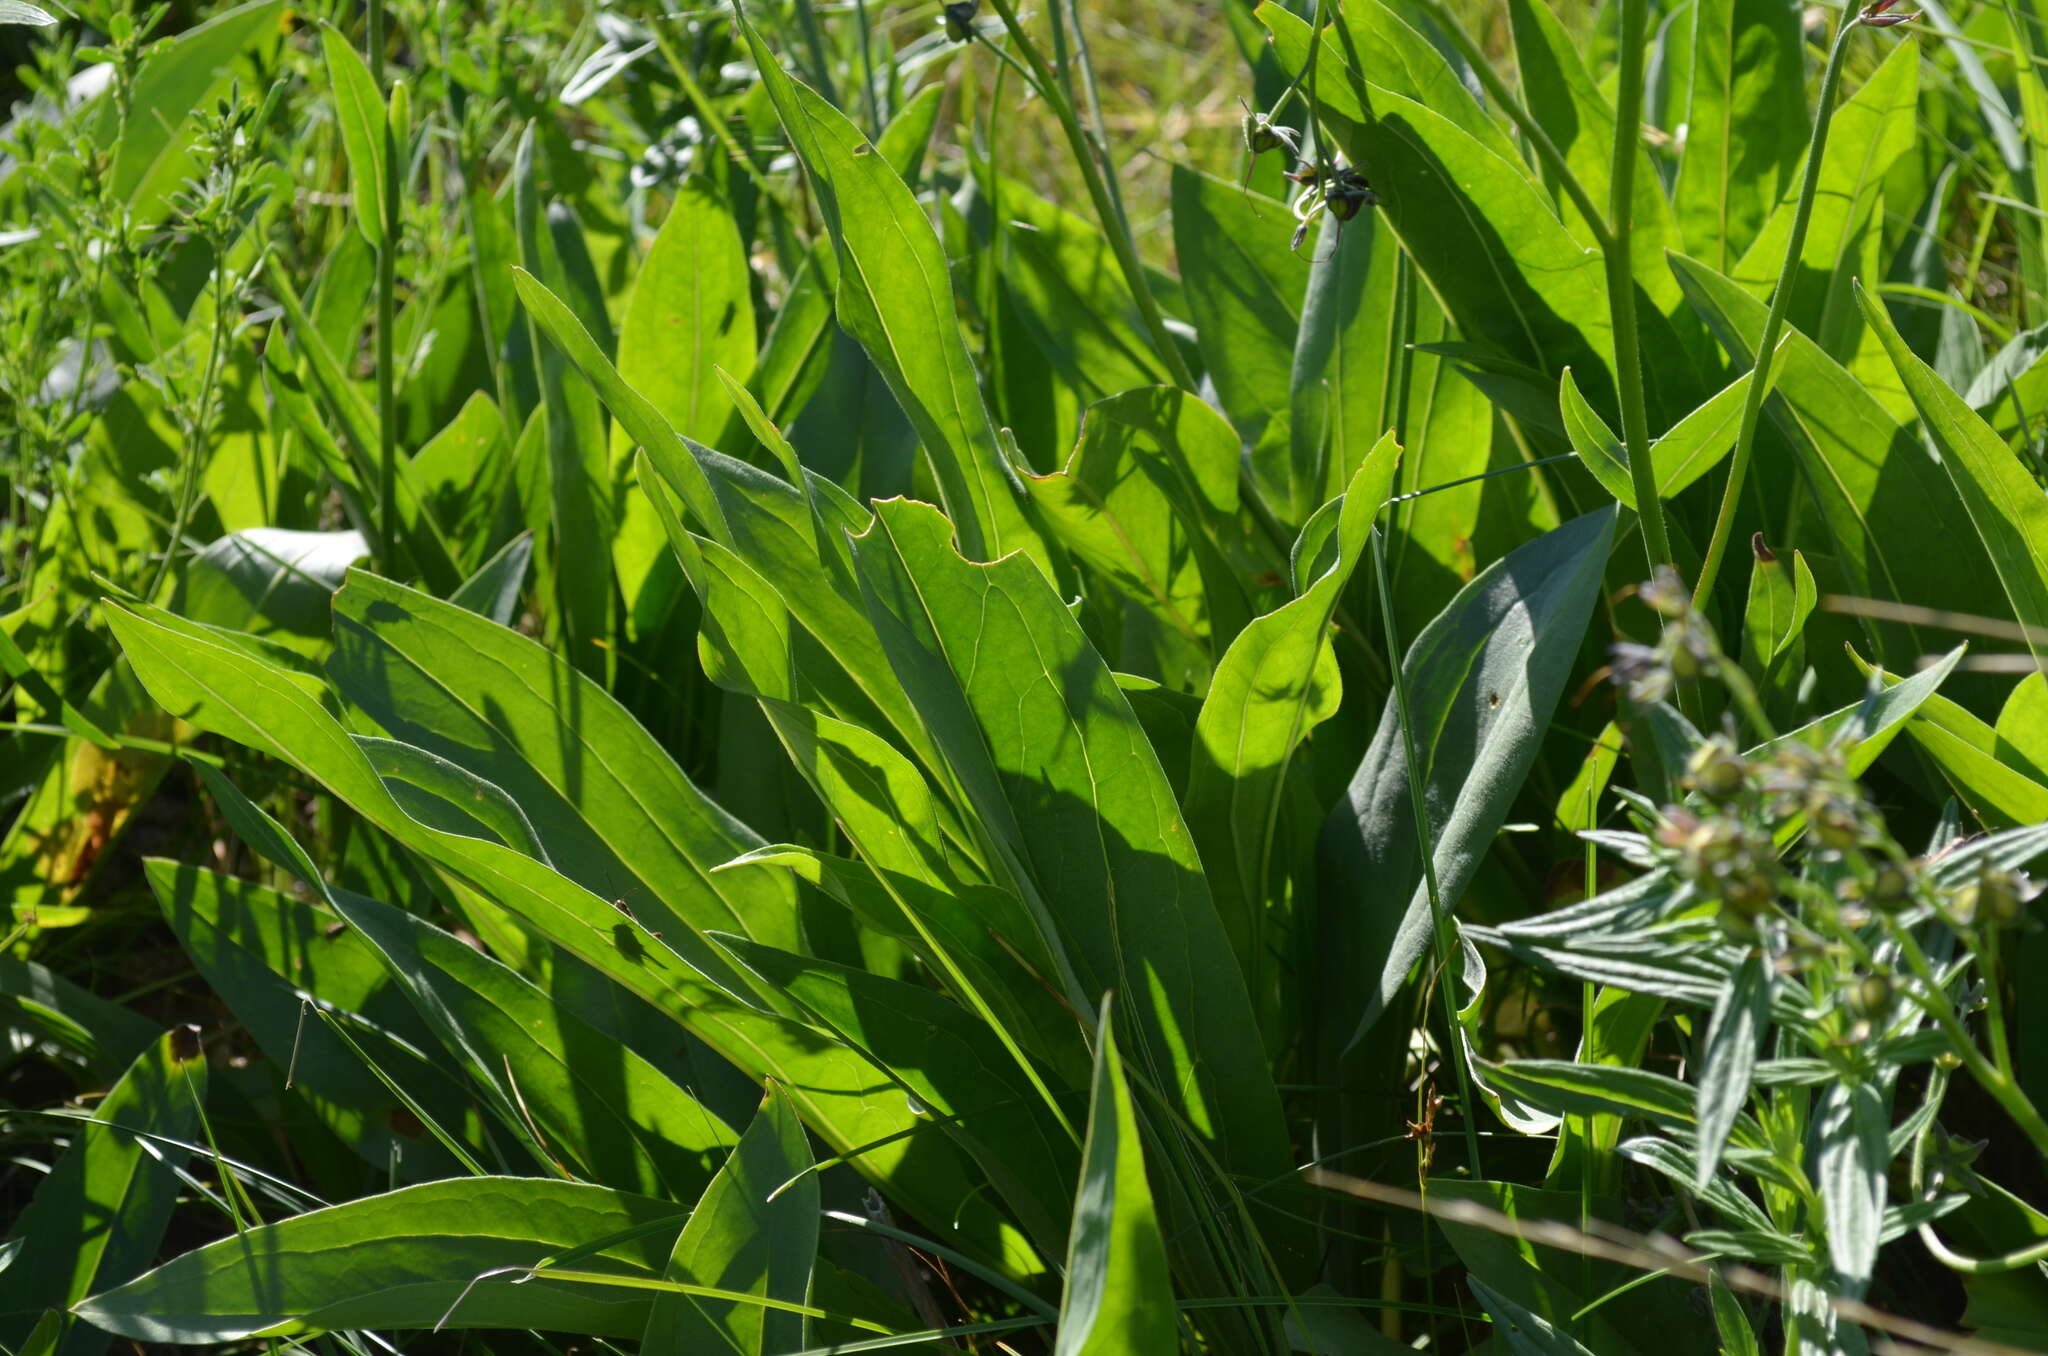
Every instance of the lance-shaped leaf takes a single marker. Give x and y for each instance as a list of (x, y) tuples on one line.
[(1880, 497), (1276, 683), (227, 691), (359, 108), (750, 1236), (1078, 814), (2005, 504), (1482, 682), (100, 1213), (1728, 1055), (1119, 1295), (411, 1258), (612, 809), (1746, 115), (895, 296), (1850, 1161), (1694, 446)]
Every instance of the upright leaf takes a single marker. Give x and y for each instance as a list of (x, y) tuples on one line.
[(896, 297), (359, 108), (1482, 682), (100, 1214), (753, 1232), (1728, 1055), (1746, 124), (1119, 1296)]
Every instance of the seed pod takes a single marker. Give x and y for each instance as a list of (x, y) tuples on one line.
[(1872, 997), (1260, 135), (1715, 770), (1890, 886)]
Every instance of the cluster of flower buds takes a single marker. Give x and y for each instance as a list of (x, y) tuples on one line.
[(1997, 898), (1725, 860)]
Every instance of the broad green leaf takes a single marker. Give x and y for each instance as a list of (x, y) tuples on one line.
[(1149, 500), (39, 1005), (99, 1215), (753, 1232), (359, 108), (611, 807), (1078, 813), (493, 591), (1969, 756), (896, 298), (20, 12), (1870, 131), (1562, 97), (1244, 295), (1746, 123), (1119, 1296), (1469, 212), (1728, 1054), (1897, 525), (1278, 681), (1850, 1162), (461, 472), (1526, 1333), (691, 314), (37, 688), (1694, 446), (411, 1258), (2022, 727), (1348, 365), (2006, 506), (583, 522), (230, 692), (282, 581), (948, 1059), (1483, 680)]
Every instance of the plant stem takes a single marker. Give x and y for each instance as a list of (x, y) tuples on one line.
[(1439, 919), (1774, 320), (1621, 282), (387, 310), (1107, 208)]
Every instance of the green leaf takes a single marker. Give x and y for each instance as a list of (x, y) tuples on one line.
[(1589, 1089), (100, 1213), (1737, 1337), (1527, 1333), (1482, 682), (2005, 504), (19, 12), (1694, 446), (359, 109), (230, 692), (1727, 1055), (1850, 1162), (1746, 123), (1898, 529), (177, 78), (1969, 756), (895, 296), (412, 1258), (1149, 500), (1278, 681), (16, 665), (2022, 728), (264, 952), (1119, 1296), (1244, 295), (1562, 97), (612, 809), (493, 591), (78, 1025), (1032, 725), (950, 1061), (755, 1232), (1871, 130), (1781, 598), (1348, 365)]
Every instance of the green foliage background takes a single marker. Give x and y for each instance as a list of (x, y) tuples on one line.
[(797, 678)]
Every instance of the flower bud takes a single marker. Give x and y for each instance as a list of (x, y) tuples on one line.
[(1715, 770), (1871, 998), (1890, 887)]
